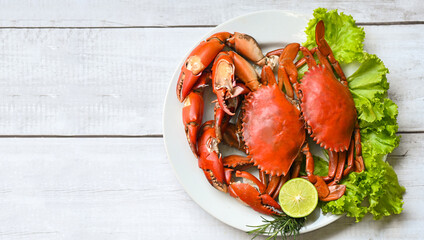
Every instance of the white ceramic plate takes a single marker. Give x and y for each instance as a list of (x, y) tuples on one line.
[(272, 29)]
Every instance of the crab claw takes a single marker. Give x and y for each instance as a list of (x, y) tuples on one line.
[(323, 46), (326, 51), (287, 71), (232, 137), (223, 81), (193, 110), (258, 200), (221, 118), (245, 71), (192, 117), (210, 160), (247, 46), (204, 81), (196, 62)]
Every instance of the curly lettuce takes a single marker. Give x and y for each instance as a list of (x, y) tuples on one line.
[(376, 190), (341, 33)]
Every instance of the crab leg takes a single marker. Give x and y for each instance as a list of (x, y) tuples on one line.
[(359, 161), (263, 177), (228, 172), (283, 180), (236, 161), (350, 159), (298, 64), (273, 184), (309, 58), (210, 160), (296, 166), (332, 165), (336, 192), (302, 61), (277, 52), (319, 183), (340, 168), (325, 193)]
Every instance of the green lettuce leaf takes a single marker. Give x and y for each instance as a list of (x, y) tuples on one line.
[(368, 85), (348, 46), (376, 113), (376, 190), (385, 197)]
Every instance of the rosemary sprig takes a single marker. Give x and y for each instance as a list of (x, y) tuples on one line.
[(283, 224)]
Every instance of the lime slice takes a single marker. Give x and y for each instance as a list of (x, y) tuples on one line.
[(298, 197)]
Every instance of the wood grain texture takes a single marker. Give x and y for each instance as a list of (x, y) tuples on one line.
[(90, 67), (125, 188), (91, 81), (114, 81), (107, 13)]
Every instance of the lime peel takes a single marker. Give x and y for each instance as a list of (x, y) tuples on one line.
[(298, 197)]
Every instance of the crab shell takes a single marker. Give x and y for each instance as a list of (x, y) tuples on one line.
[(328, 108), (273, 130)]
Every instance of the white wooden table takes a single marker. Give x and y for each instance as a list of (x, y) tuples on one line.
[(82, 86)]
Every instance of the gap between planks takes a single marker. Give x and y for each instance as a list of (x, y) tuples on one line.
[(203, 26), (83, 136), (127, 136)]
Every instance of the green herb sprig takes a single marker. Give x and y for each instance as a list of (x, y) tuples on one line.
[(284, 225)]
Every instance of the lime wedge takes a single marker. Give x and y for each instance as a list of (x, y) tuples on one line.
[(298, 197)]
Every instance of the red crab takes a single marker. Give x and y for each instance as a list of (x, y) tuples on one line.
[(274, 134), (326, 104)]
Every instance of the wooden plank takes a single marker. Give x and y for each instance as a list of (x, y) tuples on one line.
[(404, 79), (87, 81), (93, 13), (125, 188), (113, 81)]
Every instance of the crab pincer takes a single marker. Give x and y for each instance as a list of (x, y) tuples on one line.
[(193, 111), (210, 159), (257, 199)]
